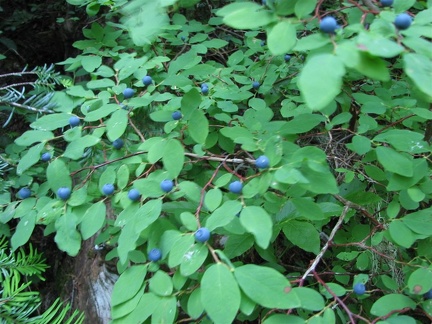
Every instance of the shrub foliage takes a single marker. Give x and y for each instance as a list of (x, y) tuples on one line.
[(344, 121)]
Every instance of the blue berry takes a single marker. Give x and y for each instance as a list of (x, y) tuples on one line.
[(108, 189), (176, 115), (24, 193), (74, 121), (403, 21), (64, 193), (147, 80), (359, 288), (134, 195), (256, 85), (118, 144), (287, 57), (235, 187), (167, 185), (328, 25), (428, 295), (386, 3), (46, 157), (202, 235), (128, 93), (155, 255), (262, 162)]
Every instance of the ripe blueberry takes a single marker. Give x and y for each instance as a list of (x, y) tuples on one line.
[(262, 162), (202, 234), (328, 25), (359, 288), (204, 88), (118, 144), (176, 115), (256, 85), (147, 80), (155, 255), (74, 121), (46, 157), (287, 57), (386, 3), (134, 195), (64, 193), (403, 21), (128, 93), (183, 38), (428, 295), (108, 189), (235, 187), (167, 185), (262, 43), (24, 193)]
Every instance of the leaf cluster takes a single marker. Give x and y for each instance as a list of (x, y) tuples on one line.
[(344, 123)]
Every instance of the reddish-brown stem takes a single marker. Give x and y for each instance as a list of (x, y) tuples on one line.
[(360, 209), (141, 136), (203, 192), (350, 314)]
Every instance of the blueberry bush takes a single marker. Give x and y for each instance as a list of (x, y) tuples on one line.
[(265, 162)]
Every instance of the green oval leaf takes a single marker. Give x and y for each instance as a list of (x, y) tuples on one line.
[(392, 302), (401, 234), (93, 220), (303, 234), (123, 290), (420, 281), (220, 294), (173, 157), (116, 125), (310, 299), (394, 161), (223, 215), (23, 230), (258, 222), (193, 259), (321, 80), (161, 284), (281, 38), (30, 158), (419, 69), (33, 136), (51, 122), (266, 286), (198, 126), (58, 175)]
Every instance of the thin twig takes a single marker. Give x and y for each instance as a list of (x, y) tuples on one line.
[(340, 302), (326, 246), (361, 209), (203, 191), (220, 159), (43, 111), (141, 136), (371, 6)]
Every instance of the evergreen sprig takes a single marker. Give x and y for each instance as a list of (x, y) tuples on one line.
[(17, 97), (18, 304)]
